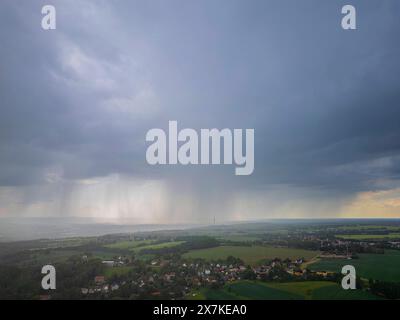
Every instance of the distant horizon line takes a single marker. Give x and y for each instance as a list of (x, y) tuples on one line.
[(91, 220)]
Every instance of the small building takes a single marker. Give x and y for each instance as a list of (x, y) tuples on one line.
[(99, 279), (108, 263), (114, 287)]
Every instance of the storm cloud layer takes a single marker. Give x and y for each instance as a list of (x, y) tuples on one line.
[(76, 103)]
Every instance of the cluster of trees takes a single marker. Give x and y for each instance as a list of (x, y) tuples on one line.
[(191, 243), (19, 283), (304, 244), (389, 290), (25, 282)]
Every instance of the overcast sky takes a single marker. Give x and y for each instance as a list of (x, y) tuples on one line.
[(76, 104)]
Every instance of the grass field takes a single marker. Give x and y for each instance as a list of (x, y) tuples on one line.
[(240, 237), (104, 255), (368, 236), (335, 292), (369, 227), (250, 255), (129, 244), (64, 243), (256, 290), (44, 257), (116, 271), (137, 245), (158, 246), (383, 267), (304, 289)]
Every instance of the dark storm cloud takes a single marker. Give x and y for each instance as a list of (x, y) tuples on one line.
[(324, 102)]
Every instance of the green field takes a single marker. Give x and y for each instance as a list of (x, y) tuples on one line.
[(369, 227), (383, 267), (368, 236), (129, 244), (158, 246), (137, 245), (256, 290), (116, 271), (239, 237), (250, 254), (335, 292), (52, 256), (104, 255)]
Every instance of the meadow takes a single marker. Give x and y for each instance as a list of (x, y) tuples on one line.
[(155, 246), (239, 238), (368, 236), (304, 290), (129, 244), (369, 227), (116, 271), (138, 245), (251, 255), (384, 267)]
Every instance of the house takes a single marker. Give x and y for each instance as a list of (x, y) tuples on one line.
[(114, 287), (321, 273), (108, 263), (169, 276), (99, 279)]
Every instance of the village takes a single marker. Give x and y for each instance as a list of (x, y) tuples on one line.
[(173, 277), (176, 265), (186, 277)]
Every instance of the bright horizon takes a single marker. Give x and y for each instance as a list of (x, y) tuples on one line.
[(78, 101)]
